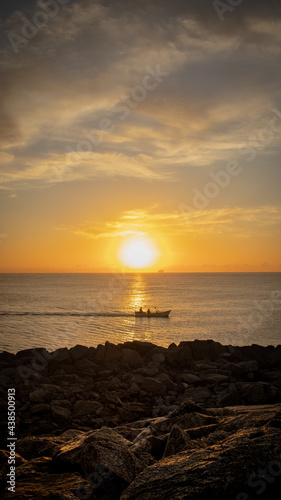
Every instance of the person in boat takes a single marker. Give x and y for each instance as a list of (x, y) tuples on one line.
[(141, 310), (148, 311)]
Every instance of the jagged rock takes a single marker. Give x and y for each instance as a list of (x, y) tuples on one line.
[(229, 397), (104, 454), (153, 386), (81, 408), (35, 480), (214, 472), (177, 441)]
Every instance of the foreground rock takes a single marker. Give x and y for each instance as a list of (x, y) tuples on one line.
[(138, 421)]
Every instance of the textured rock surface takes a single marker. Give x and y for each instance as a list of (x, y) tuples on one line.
[(142, 421)]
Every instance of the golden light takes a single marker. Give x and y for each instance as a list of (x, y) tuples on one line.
[(138, 252)]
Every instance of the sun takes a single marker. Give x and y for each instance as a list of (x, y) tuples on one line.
[(138, 252)]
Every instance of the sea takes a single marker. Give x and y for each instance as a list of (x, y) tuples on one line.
[(62, 310)]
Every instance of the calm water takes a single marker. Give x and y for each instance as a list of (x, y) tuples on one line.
[(57, 310)]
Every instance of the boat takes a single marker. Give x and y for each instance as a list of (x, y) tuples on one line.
[(157, 314)]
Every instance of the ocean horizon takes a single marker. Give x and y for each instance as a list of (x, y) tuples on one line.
[(64, 309)]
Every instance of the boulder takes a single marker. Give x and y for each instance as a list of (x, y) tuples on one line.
[(207, 349), (215, 472), (179, 357), (228, 397), (61, 414), (254, 394), (131, 358), (78, 352), (190, 378), (60, 356), (153, 386), (107, 354), (81, 408), (198, 394), (105, 455), (46, 393), (178, 440)]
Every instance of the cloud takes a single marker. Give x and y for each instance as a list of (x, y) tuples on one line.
[(92, 54)]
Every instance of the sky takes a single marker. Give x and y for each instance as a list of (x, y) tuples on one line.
[(152, 121)]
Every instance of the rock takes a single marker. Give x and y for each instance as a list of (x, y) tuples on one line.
[(47, 392), (158, 358), (214, 378), (86, 365), (36, 481), (150, 370), (152, 445), (190, 378), (191, 420), (179, 357), (153, 386), (107, 355), (133, 389), (245, 367), (214, 472), (198, 394), (105, 455), (166, 379), (78, 352), (177, 441), (206, 349), (143, 348), (228, 397), (254, 394), (60, 357), (131, 358), (40, 408), (61, 415), (81, 408)]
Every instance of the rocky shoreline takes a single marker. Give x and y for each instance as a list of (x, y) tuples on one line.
[(138, 421)]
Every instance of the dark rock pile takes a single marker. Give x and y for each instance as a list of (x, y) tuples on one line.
[(138, 421)]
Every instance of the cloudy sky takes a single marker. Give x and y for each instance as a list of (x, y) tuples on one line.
[(158, 119)]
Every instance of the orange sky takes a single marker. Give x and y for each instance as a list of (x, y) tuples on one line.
[(154, 120)]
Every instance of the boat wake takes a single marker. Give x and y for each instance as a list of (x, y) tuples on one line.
[(78, 314)]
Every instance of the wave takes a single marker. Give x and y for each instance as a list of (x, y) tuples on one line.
[(78, 314)]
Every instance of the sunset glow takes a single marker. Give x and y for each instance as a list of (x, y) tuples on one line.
[(140, 119), (138, 252)]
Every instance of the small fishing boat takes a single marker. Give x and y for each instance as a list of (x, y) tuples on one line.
[(149, 314)]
